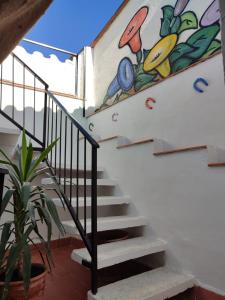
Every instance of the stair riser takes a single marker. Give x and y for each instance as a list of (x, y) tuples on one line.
[(101, 191), (81, 173)]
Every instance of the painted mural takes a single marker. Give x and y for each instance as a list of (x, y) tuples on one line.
[(168, 56)]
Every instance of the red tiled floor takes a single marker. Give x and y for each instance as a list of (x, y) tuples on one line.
[(202, 294), (68, 279)]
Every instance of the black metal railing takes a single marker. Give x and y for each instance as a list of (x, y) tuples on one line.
[(72, 163), (23, 99)]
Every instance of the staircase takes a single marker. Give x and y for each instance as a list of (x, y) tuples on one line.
[(82, 187)]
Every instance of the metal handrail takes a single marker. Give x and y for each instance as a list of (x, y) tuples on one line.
[(58, 123), (75, 123)]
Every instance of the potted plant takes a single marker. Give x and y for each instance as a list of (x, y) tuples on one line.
[(29, 206)]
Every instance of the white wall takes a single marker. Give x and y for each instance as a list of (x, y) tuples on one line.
[(183, 199)]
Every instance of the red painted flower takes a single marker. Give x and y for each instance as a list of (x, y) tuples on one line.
[(131, 35)]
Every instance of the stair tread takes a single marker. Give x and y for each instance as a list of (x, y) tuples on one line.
[(107, 223), (101, 201), (117, 252), (10, 130), (158, 284), (100, 182)]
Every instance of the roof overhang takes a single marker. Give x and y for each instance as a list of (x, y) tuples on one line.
[(16, 18)]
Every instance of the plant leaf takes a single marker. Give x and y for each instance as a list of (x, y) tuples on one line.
[(14, 255), (189, 20), (26, 266), (28, 160), (5, 200), (202, 39), (54, 214), (6, 232), (41, 158), (23, 152), (25, 194)]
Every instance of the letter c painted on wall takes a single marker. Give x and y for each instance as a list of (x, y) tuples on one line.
[(91, 126), (197, 82), (149, 102), (115, 117)]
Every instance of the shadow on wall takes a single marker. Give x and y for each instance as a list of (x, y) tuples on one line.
[(169, 55)]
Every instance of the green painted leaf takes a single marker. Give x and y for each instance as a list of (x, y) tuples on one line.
[(142, 80), (145, 53), (181, 64), (180, 50), (175, 26), (189, 20), (214, 47), (168, 14), (202, 39)]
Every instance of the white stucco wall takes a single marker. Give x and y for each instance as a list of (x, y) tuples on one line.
[(182, 198)]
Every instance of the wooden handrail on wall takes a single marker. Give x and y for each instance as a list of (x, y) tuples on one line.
[(31, 88), (193, 148), (135, 143), (216, 165), (108, 139)]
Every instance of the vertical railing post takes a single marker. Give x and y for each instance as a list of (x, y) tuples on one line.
[(84, 82), (94, 222), (45, 117)]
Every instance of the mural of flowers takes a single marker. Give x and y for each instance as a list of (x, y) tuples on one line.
[(168, 56), (132, 36)]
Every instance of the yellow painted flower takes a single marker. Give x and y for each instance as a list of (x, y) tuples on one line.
[(158, 56)]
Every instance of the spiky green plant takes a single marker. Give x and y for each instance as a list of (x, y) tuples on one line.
[(29, 206)]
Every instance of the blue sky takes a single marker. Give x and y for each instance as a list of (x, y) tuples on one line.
[(71, 24)]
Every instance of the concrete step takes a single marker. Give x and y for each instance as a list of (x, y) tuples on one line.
[(101, 182), (102, 201), (158, 284), (8, 139), (117, 252), (107, 223)]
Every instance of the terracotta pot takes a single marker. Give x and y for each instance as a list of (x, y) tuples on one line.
[(37, 285)]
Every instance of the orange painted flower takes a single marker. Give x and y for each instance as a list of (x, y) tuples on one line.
[(131, 35)]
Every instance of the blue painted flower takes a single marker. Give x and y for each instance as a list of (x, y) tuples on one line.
[(124, 79)]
